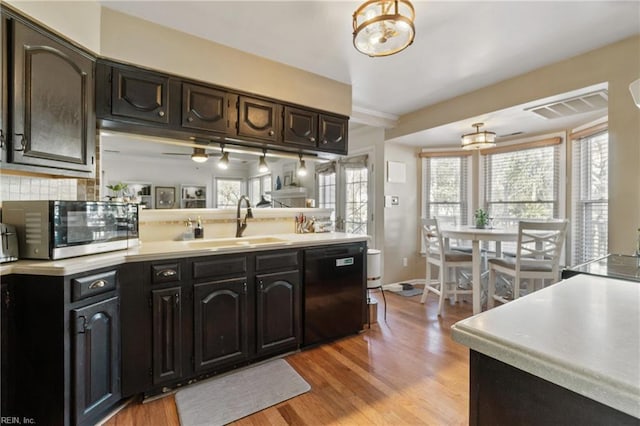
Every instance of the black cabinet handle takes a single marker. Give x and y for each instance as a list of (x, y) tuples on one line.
[(97, 284), (23, 142), (167, 273)]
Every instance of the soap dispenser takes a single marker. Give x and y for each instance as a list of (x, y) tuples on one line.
[(198, 232), (188, 232)]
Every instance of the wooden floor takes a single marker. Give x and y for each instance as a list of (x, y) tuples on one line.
[(405, 371)]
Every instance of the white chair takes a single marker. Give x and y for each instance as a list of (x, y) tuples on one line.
[(537, 258), (436, 255)]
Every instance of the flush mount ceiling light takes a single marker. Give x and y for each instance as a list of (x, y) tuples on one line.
[(383, 27), (302, 169), (223, 162), (262, 165), (478, 139), (199, 155)]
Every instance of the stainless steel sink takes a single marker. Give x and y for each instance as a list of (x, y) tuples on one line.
[(234, 242)]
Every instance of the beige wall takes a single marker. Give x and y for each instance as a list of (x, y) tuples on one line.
[(617, 64), (133, 40), (76, 20)]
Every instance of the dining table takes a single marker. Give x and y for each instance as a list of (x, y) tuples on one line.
[(475, 235)]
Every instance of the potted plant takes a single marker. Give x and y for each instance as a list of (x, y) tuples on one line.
[(481, 217), (118, 191)]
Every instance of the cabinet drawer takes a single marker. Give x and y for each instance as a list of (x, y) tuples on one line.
[(272, 261), (218, 267), (93, 284), (165, 273)]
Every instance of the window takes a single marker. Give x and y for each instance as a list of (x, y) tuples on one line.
[(522, 182), (258, 186), (228, 192), (445, 188), (590, 197), (356, 199), (326, 178)]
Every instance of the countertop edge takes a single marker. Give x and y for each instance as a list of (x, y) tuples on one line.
[(81, 264), (596, 387)]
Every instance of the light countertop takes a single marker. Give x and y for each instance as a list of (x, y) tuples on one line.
[(173, 249), (582, 334)]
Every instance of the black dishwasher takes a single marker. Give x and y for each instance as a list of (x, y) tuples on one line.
[(334, 292)]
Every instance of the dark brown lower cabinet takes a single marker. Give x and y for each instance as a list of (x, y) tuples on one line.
[(277, 311), (96, 358), (167, 334), (221, 324)]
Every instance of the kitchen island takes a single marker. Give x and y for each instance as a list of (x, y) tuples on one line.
[(567, 354)]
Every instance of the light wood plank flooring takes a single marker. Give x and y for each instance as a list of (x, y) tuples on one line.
[(405, 371)]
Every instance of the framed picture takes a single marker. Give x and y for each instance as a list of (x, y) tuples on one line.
[(287, 179), (165, 197)]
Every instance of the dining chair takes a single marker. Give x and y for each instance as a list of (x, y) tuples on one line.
[(443, 259), (537, 257)]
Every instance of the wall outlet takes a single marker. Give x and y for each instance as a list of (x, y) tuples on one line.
[(404, 262)]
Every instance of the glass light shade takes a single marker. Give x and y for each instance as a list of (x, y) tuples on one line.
[(199, 155), (383, 27), (302, 169), (478, 139), (223, 162), (262, 165)]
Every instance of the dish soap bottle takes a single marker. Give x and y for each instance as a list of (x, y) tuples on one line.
[(188, 231), (198, 232)]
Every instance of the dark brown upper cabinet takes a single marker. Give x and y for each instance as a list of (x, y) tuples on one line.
[(205, 108), (333, 134), (259, 119), (4, 97), (300, 127), (140, 95), (50, 102)]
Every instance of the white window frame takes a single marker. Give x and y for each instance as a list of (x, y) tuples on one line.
[(243, 188)]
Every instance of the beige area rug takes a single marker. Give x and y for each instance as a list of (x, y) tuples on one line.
[(229, 397)]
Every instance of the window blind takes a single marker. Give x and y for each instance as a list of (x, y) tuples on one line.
[(590, 197)]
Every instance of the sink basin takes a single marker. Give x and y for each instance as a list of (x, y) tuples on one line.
[(234, 242)]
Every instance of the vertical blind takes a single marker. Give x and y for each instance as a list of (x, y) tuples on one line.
[(590, 197)]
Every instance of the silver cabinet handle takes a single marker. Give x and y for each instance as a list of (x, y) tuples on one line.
[(271, 133), (23, 142), (190, 119), (1, 139), (161, 113), (97, 284), (167, 273), (324, 141), (312, 139)]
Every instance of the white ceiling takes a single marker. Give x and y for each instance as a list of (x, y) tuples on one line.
[(459, 46)]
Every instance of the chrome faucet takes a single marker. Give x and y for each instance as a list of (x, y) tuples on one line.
[(242, 223)]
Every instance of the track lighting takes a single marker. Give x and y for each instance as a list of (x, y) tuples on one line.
[(302, 169), (262, 166), (199, 155), (223, 163)]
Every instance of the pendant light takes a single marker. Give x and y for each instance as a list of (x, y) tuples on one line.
[(199, 155), (223, 162), (478, 139), (383, 27), (302, 168), (262, 165)]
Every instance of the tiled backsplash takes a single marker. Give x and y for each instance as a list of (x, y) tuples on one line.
[(36, 188)]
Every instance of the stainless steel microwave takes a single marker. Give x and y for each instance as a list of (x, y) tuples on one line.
[(50, 229)]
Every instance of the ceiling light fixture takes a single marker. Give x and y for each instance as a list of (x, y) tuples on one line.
[(302, 168), (199, 155), (478, 139), (223, 162), (383, 27), (262, 165)]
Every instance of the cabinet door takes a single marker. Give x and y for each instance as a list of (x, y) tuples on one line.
[(259, 119), (96, 358), (333, 134), (167, 334), (300, 127), (278, 311), (220, 323), (140, 95), (204, 108), (53, 119)]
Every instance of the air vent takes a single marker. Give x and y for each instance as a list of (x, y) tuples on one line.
[(589, 102)]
